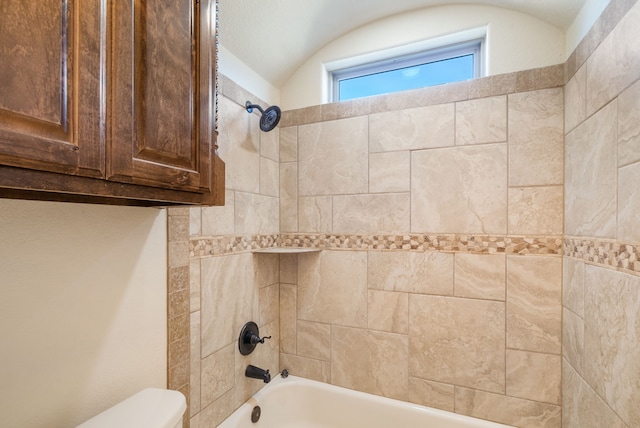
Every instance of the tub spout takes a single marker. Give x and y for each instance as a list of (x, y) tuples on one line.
[(257, 373)]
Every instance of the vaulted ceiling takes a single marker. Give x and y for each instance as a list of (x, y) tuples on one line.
[(274, 37)]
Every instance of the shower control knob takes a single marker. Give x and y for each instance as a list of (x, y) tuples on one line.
[(250, 338), (256, 339)]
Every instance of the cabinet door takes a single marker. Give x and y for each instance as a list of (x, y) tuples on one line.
[(160, 131), (52, 64)]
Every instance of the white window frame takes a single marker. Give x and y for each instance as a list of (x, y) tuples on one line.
[(452, 46)]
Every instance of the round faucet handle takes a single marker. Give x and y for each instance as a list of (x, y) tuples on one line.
[(249, 338)]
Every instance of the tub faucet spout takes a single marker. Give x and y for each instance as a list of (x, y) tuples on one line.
[(257, 373)]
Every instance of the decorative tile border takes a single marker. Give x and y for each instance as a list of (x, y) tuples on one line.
[(607, 253), (487, 244), (463, 243), (219, 245)]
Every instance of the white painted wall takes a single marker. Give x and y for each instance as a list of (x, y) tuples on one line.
[(515, 41), (585, 19), (243, 75), (82, 309)]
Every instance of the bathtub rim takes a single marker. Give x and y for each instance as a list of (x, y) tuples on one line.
[(255, 400)]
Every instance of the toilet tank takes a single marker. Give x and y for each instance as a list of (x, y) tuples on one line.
[(149, 408)]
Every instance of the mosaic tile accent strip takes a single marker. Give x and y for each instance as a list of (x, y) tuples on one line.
[(487, 244), (608, 253), (219, 245), (490, 244)]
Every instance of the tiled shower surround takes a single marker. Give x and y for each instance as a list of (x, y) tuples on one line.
[(601, 284), (443, 215), (440, 278)]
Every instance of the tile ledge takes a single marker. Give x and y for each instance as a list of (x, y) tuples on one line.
[(286, 250)]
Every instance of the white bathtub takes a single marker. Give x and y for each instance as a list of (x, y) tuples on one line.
[(301, 403)]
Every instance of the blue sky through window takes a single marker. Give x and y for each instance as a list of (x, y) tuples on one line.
[(414, 77)]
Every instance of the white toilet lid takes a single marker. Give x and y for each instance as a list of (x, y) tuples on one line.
[(149, 408)]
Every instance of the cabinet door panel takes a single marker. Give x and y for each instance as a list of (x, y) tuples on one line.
[(51, 76), (156, 139)]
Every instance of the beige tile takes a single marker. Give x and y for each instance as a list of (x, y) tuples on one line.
[(480, 276), (179, 279), (373, 213), (480, 87), (178, 254), (575, 100), (431, 394), (214, 414), (615, 64), (629, 126), (239, 142), (334, 157), (194, 285), (289, 144), (332, 288), (228, 279), (612, 339), (315, 214), (534, 376), (388, 311), (195, 221), (481, 121), (195, 365), (256, 214), (178, 228), (178, 303), (389, 172), (306, 367), (178, 377), (536, 210), (217, 374), (503, 83), (414, 272), (536, 136), (314, 340), (266, 268), (629, 202), (356, 354), (412, 129), (507, 410), (269, 304), (534, 307), (288, 318), (445, 346), (572, 339), (590, 176), (289, 197), (177, 211), (573, 285), (459, 190), (581, 406), (270, 144), (219, 220), (289, 268), (269, 177), (178, 352)]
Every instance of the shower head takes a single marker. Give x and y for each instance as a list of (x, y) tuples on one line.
[(270, 116)]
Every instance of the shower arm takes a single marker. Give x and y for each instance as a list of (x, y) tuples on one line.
[(250, 107)]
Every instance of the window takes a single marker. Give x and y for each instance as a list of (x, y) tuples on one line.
[(453, 63)]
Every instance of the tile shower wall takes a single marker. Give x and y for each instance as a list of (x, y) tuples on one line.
[(215, 289), (601, 286), (441, 271), (440, 279)]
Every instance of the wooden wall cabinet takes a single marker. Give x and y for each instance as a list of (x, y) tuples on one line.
[(109, 101)]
